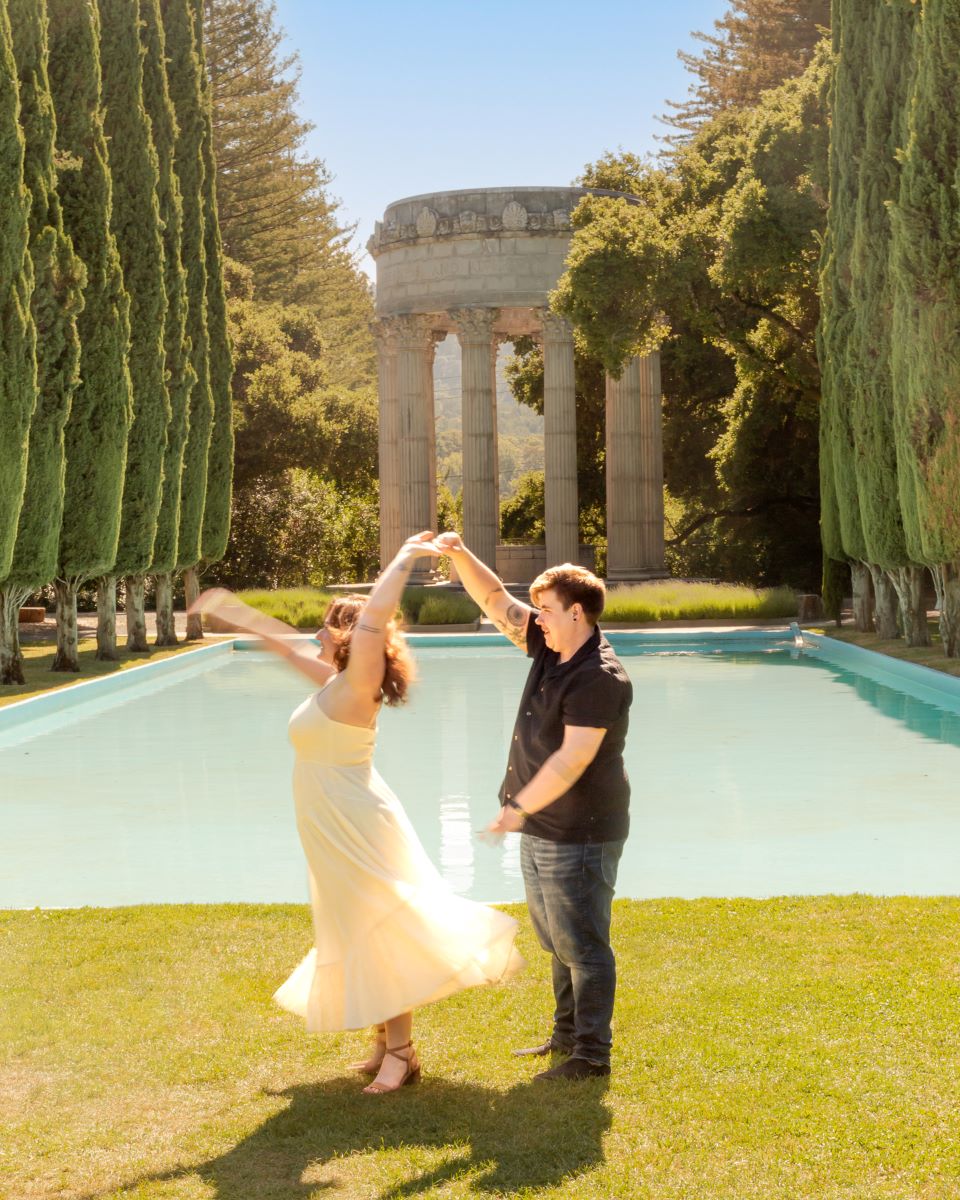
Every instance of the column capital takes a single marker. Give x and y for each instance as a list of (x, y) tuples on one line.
[(384, 330), (474, 324), (414, 331), (555, 329)]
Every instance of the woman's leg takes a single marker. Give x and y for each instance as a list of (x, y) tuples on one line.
[(371, 1064), (396, 1066)]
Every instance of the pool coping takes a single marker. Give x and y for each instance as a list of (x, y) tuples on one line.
[(923, 682)]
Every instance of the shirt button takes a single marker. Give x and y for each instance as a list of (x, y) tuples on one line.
[(529, 714), (509, 797), (509, 768), (515, 737)]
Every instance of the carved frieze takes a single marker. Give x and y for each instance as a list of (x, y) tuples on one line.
[(426, 223), (514, 216), (430, 224)]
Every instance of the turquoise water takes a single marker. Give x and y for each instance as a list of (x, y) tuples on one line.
[(755, 772)]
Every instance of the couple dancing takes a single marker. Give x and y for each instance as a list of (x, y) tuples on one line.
[(389, 934)]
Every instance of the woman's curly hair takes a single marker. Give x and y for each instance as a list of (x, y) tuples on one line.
[(341, 616)]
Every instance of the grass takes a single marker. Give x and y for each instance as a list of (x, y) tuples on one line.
[(786, 1049), (674, 600), (926, 656), (38, 659)]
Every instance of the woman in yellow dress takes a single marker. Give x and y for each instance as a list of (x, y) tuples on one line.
[(389, 933)]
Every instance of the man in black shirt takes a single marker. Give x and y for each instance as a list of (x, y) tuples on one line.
[(566, 789)]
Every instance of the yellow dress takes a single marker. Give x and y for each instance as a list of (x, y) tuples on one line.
[(389, 934)]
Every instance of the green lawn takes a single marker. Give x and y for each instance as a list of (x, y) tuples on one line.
[(780, 1050), (38, 659)]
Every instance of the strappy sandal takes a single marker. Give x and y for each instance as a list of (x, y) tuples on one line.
[(371, 1065), (411, 1075)]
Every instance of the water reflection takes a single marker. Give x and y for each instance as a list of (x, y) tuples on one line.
[(456, 843)]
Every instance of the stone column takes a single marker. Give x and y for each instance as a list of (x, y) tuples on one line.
[(651, 462), (480, 491), (559, 441), (385, 333), (634, 456), (415, 348)]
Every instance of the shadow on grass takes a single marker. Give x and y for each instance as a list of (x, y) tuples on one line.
[(532, 1136)]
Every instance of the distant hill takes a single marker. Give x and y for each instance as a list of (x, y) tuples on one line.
[(519, 429)]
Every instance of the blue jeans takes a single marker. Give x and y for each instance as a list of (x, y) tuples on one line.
[(569, 893)]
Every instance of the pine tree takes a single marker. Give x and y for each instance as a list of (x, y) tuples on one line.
[(216, 513), (183, 74), (926, 346), (102, 411), (57, 298), (136, 225), (276, 216), (896, 573), (18, 367), (180, 375), (839, 497), (757, 45)]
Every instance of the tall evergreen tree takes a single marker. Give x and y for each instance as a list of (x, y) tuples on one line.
[(180, 375), (57, 298), (838, 453), (926, 342), (102, 411), (18, 366), (136, 225), (276, 214), (184, 80), (897, 576), (216, 513)]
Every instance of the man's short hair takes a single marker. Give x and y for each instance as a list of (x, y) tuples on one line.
[(574, 585)]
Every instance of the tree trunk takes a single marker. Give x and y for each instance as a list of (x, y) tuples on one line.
[(862, 597), (136, 613), (885, 604), (11, 660), (166, 623), (191, 590), (66, 658), (107, 618), (950, 610), (909, 582)]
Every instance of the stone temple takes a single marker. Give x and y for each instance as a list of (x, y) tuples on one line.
[(481, 264)]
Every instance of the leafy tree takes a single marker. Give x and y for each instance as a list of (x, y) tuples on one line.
[(926, 269), (523, 515), (179, 373), (135, 223), (718, 265), (186, 92), (216, 513), (23, 260), (102, 411), (18, 367), (57, 298)]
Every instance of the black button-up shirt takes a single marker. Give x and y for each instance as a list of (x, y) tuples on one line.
[(593, 690)]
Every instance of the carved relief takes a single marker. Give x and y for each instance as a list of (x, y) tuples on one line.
[(474, 324), (426, 222), (561, 218), (554, 328), (514, 216), (468, 222), (414, 331)]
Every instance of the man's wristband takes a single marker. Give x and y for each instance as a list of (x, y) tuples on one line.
[(511, 803)]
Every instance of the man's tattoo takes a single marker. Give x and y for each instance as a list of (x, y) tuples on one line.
[(513, 625)]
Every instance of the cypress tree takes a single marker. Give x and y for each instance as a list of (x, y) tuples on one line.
[(216, 513), (889, 30), (836, 315), (136, 226), (180, 375), (18, 366), (57, 298), (102, 411), (184, 77), (926, 346)]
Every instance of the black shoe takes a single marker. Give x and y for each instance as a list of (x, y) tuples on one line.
[(574, 1068), (548, 1047)]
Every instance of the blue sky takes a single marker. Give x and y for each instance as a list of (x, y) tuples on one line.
[(428, 95)]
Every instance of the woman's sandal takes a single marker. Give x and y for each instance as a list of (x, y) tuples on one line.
[(411, 1075), (371, 1065)]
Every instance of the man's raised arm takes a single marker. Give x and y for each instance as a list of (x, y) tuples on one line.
[(506, 612)]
